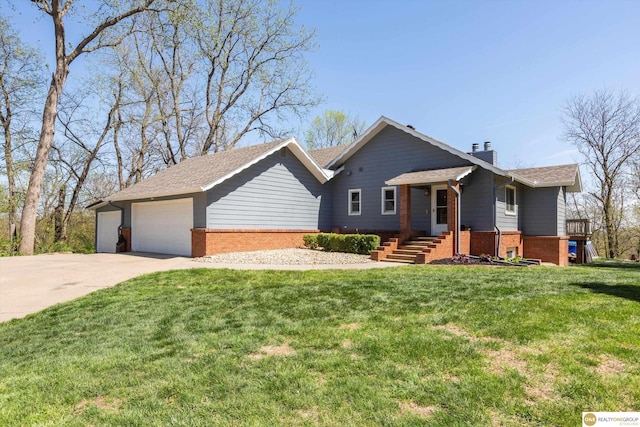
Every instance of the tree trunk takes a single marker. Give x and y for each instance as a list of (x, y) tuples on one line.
[(11, 200), (60, 230), (30, 210)]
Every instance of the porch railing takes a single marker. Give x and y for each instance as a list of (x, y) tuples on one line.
[(579, 227)]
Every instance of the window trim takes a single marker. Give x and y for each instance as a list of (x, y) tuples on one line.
[(350, 206), (508, 211), (383, 199)]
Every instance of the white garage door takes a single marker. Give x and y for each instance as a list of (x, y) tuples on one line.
[(162, 227), (107, 233)]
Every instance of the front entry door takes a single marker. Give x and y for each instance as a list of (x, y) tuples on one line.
[(438, 209)]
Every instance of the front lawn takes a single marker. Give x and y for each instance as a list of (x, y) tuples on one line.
[(420, 345)]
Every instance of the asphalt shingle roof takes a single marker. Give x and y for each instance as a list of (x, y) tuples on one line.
[(324, 156), (430, 176), (192, 174), (549, 175)]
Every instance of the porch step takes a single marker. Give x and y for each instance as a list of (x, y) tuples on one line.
[(413, 247), (404, 251), (407, 259), (408, 251)]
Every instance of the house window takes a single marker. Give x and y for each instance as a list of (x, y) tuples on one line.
[(355, 202), (388, 200), (510, 200)]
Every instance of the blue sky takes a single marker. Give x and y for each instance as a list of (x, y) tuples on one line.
[(474, 71), (462, 71)]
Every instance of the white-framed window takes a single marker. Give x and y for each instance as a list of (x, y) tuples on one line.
[(355, 201), (510, 200), (388, 199)]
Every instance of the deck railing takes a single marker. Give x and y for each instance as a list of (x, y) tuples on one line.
[(579, 227)]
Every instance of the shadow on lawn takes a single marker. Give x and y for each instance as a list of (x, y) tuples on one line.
[(630, 265), (632, 293)]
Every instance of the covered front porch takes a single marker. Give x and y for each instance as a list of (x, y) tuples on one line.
[(442, 190)]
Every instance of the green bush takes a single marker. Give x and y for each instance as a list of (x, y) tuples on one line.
[(310, 241), (350, 243), (323, 241)]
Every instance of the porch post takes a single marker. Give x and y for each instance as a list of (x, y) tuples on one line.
[(453, 213), (405, 211)]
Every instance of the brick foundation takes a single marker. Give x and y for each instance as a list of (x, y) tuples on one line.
[(511, 239), (486, 243), (483, 243), (465, 242), (553, 249), (216, 241)]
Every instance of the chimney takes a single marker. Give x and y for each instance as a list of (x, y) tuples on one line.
[(488, 155)]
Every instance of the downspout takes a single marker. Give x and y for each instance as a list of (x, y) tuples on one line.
[(495, 199), (458, 202)]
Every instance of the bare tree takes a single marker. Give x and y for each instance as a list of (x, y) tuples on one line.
[(255, 69), (605, 128), (20, 77), (98, 38), (331, 129), (84, 142)]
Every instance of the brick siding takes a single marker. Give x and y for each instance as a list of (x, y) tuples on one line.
[(553, 249), (216, 241), (483, 243)]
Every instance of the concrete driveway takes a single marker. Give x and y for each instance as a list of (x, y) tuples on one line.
[(31, 283)]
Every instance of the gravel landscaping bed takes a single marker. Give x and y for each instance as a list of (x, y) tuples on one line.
[(287, 257)]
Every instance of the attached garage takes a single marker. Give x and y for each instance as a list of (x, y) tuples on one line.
[(107, 231), (162, 227)]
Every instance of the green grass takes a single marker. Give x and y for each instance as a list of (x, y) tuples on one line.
[(433, 345)]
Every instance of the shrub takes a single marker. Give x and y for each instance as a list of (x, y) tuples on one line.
[(350, 243), (310, 241), (323, 241)]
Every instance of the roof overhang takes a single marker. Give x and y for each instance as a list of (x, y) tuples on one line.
[(573, 185), (431, 176)]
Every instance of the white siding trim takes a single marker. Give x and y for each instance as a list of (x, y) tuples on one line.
[(383, 199), (349, 205), (508, 211)]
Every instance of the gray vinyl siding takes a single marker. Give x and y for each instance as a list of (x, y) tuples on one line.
[(506, 221), (543, 214), (388, 154), (420, 210), (476, 200), (562, 211), (276, 193)]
